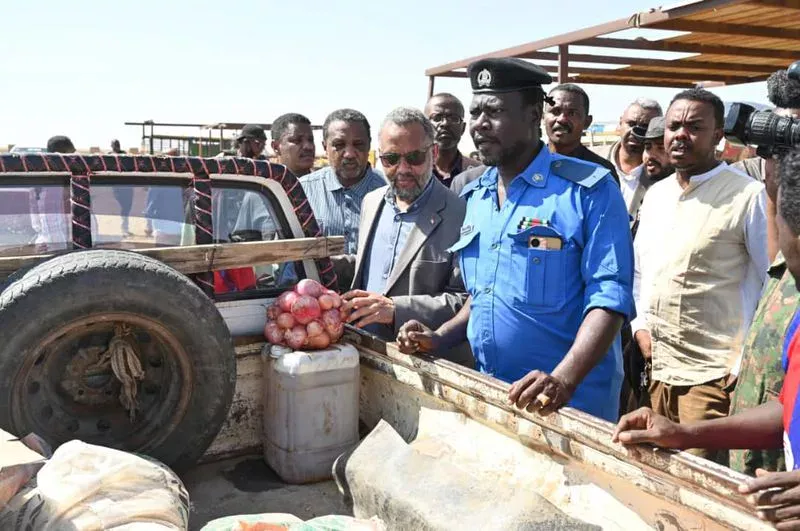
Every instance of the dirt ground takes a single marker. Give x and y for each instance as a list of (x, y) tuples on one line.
[(248, 486)]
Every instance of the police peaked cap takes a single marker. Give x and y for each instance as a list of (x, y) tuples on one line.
[(507, 74)]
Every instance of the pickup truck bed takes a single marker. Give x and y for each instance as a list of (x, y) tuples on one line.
[(459, 416), (246, 485)]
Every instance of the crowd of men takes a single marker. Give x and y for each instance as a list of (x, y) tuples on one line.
[(651, 274)]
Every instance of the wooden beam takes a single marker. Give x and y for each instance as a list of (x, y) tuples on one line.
[(678, 76), (785, 4), (519, 51), (647, 74), (666, 64), (563, 63), (631, 83), (687, 47), (740, 30), (431, 81), (454, 73), (204, 258)]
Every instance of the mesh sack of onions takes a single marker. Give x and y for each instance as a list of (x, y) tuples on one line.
[(306, 317)]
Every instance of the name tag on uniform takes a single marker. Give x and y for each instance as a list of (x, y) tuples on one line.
[(467, 229), (545, 243)]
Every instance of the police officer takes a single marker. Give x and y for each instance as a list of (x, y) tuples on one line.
[(546, 257)]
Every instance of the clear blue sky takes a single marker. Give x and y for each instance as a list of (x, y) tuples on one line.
[(82, 68)]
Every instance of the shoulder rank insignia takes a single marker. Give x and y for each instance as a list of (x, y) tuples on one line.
[(580, 172)]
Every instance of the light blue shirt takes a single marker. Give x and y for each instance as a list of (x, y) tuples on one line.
[(338, 209), (389, 238), (529, 297)]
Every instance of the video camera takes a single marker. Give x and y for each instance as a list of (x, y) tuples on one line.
[(772, 134)]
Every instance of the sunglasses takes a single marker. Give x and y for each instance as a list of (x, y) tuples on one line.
[(414, 158)]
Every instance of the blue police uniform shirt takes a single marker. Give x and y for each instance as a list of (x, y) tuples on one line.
[(529, 297)]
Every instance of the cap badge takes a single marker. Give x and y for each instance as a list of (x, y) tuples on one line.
[(484, 78)]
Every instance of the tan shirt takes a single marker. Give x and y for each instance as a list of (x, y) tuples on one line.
[(701, 263)]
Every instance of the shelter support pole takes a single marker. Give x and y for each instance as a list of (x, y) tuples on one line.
[(563, 63)]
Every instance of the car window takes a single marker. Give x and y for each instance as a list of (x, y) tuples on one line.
[(35, 219)]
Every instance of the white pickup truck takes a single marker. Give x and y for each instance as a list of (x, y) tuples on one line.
[(177, 281)]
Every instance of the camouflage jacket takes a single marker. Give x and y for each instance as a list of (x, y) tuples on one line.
[(761, 373)]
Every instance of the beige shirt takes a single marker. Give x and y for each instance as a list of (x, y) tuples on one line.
[(700, 266)]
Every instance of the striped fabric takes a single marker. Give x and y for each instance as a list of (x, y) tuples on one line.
[(336, 208)]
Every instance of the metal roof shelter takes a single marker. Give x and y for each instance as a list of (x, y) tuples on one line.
[(731, 42), (235, 126), (212, 145)]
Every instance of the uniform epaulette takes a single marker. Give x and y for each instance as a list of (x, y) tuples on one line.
[(579, 171), (469, 187)]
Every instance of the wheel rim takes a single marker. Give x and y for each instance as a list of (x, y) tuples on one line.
[(60, 396)]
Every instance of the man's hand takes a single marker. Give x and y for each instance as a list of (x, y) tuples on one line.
[(366, 308), (416, 337), (540, 392), (642, 338), (779, 495), (645, 426)]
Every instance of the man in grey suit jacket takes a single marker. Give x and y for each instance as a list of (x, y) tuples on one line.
[(402, 269)]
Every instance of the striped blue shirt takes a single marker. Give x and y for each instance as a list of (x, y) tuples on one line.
[(336, 208)]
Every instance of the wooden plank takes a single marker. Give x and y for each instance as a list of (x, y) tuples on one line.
[(629, 73), (665, 64), (785, 4), (204, 258), (686, 47), (665, 83), (739, 30)]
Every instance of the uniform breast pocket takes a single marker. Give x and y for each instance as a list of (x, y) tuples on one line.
[(467, 250), (538, 253)]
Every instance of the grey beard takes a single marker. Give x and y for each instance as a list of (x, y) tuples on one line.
[(407, 195)]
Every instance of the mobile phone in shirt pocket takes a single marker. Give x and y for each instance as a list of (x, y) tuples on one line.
[(538, 253)]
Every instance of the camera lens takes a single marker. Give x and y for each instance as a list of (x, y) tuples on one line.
[(767, 128)]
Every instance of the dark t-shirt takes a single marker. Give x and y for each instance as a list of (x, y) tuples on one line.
[(458, 182)]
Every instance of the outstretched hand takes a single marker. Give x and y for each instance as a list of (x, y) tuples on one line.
[(645, 426)]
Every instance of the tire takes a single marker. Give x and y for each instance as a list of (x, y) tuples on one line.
[(57, 318)]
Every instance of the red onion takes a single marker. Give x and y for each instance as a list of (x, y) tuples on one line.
[(305, 309), (309, 287)]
